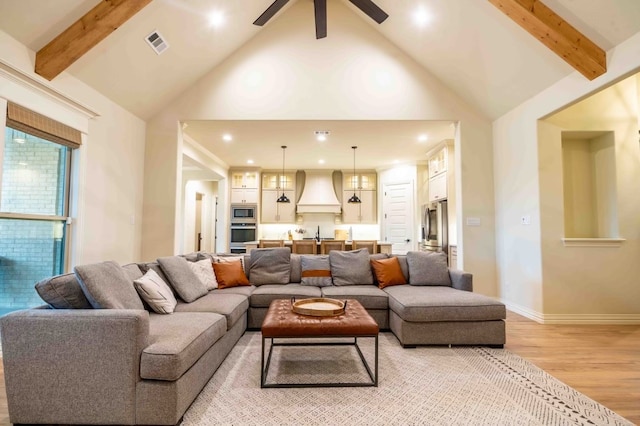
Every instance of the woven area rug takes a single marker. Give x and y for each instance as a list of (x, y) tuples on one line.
[(422, 386)]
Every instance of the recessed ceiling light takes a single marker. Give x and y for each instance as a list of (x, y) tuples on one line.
[(216, 19), (320, 161), (249, 161), (422, 17), (227, 137), (396, 161), (321, 135), (423, 138)]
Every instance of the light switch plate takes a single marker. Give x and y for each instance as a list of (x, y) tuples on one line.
[(525, 220), (473, 221)]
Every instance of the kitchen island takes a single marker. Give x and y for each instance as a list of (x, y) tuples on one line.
[(383, 247)]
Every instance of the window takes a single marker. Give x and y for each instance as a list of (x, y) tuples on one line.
[(34, 202)]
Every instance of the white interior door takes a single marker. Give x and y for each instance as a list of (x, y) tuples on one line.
[(398, 217)]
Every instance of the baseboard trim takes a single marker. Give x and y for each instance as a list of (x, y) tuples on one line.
[(601, 319)]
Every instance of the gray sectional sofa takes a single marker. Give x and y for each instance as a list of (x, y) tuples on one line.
[(70, 363)]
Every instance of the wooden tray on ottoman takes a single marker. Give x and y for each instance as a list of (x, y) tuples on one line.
[(319, 307)]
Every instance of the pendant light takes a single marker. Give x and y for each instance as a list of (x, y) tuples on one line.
[(354, 198), (283, 198)]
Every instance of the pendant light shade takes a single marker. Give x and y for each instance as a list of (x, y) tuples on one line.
[(354, 198), (283, 198)]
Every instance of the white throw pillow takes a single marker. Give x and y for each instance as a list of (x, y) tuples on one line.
[(156, 292), (204, 271)]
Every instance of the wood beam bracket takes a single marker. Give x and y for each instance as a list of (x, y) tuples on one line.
[(557, 34)]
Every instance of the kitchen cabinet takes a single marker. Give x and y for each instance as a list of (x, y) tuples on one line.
[(438, 162), (244, 187), (438, 187), (244, 196), (278, 180), (363, 212), (244, 179), (274, 212), (361, 180)]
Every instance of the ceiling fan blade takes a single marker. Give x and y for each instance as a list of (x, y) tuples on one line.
[(271, 10), (320, 9), (371, 9)]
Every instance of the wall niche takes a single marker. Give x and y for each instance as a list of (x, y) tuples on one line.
[(589, 184)]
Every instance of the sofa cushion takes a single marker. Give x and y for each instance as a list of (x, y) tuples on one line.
[(182, 279), (428, 268), (244, 290), (439, 303), (133, 271), (270, 266), (177, 341), (388, 272), (63, 292), (232, 306), (402, 259), (316, 270), (230, 274), (263, 295), (204, 271), (145, 266), (369, 296), (350, 267), (296, 268), (157, 293), (107, 286)]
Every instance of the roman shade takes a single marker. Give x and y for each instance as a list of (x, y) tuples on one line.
[(35, 124)]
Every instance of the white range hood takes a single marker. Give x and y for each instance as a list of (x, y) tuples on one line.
[(318, 195)]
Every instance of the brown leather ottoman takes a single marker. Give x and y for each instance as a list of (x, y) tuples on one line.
[(282, 323)]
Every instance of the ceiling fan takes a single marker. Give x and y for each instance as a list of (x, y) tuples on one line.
[(320, 7)]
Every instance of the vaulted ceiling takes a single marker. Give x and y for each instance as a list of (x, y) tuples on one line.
[(469, 45)]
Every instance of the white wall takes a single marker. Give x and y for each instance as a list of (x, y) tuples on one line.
[(354, 74), (108, 196), (538, 276)]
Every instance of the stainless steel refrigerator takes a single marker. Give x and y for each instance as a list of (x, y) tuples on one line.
[(435, 227)]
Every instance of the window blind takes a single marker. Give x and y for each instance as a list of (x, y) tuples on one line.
[(31, 122)]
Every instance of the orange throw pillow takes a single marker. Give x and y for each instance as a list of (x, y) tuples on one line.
[(388, 272), (230, 274)]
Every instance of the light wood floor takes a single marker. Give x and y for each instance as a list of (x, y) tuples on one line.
[(601, 361)]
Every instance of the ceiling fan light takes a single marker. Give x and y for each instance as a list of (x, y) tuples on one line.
[(354, 199)]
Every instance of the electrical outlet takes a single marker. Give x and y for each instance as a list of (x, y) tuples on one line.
[(525, 220)]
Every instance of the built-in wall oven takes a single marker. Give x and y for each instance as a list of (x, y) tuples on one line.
[(243, 227)]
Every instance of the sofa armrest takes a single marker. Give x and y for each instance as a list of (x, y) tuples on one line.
[(461, 280), (73, 366)]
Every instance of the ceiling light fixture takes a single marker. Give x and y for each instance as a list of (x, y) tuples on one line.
[(216, 19), (249, 161), (421, 17), (321, 135), (354, 198), (227, 137), (320, 161), (423, 138), (283, 198)]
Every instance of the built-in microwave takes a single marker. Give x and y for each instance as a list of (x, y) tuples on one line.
[(244, 213)]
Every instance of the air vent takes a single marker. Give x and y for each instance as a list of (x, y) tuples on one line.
[(157, 42)]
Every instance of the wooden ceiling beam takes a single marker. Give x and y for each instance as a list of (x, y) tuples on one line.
[(85, 33), (557, 34)]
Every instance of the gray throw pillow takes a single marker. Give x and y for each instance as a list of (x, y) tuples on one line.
[(107, 286), (316, 270), (350, 267), (270, 266), (182, 279), (63, 292), (156, 292), (428, 268)]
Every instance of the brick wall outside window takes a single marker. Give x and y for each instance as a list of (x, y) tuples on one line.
[(33, 180)]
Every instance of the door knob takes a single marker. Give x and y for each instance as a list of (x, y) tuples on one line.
[(407, 240)]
